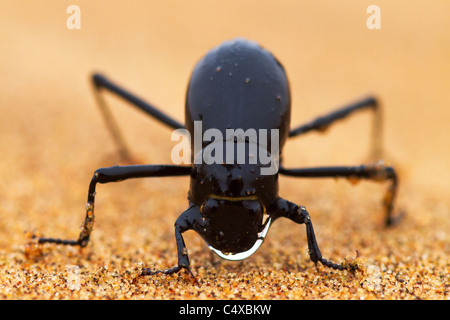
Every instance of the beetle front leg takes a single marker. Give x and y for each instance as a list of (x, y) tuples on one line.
[(299, 215), (183, 259), (186, 221)]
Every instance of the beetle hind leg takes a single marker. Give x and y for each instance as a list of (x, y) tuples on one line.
[(322, 123), (101, 83)]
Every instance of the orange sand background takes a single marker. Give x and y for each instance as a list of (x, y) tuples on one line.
[(52, 139)]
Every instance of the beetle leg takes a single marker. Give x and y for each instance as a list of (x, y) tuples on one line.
[(100, 82), (322, 123), (115, 174), (187, 221), (376, 172), (299, 215)]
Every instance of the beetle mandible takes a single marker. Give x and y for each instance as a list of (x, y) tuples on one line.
[(236, 85)]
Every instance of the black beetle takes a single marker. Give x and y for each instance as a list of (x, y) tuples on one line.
[(237, 85)]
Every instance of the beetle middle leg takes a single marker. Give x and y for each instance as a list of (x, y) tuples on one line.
[(119, 173), (101, 82), (376, 172)]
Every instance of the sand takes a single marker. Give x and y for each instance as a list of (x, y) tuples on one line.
[(53, 138)]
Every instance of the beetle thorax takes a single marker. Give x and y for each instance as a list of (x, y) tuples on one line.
[(231, 181)]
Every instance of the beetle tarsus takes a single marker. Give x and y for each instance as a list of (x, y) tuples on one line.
[(331, 264), (57, 241), (149, 272)]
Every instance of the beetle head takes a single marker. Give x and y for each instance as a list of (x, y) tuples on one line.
[(233, 227), (232, 201)]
